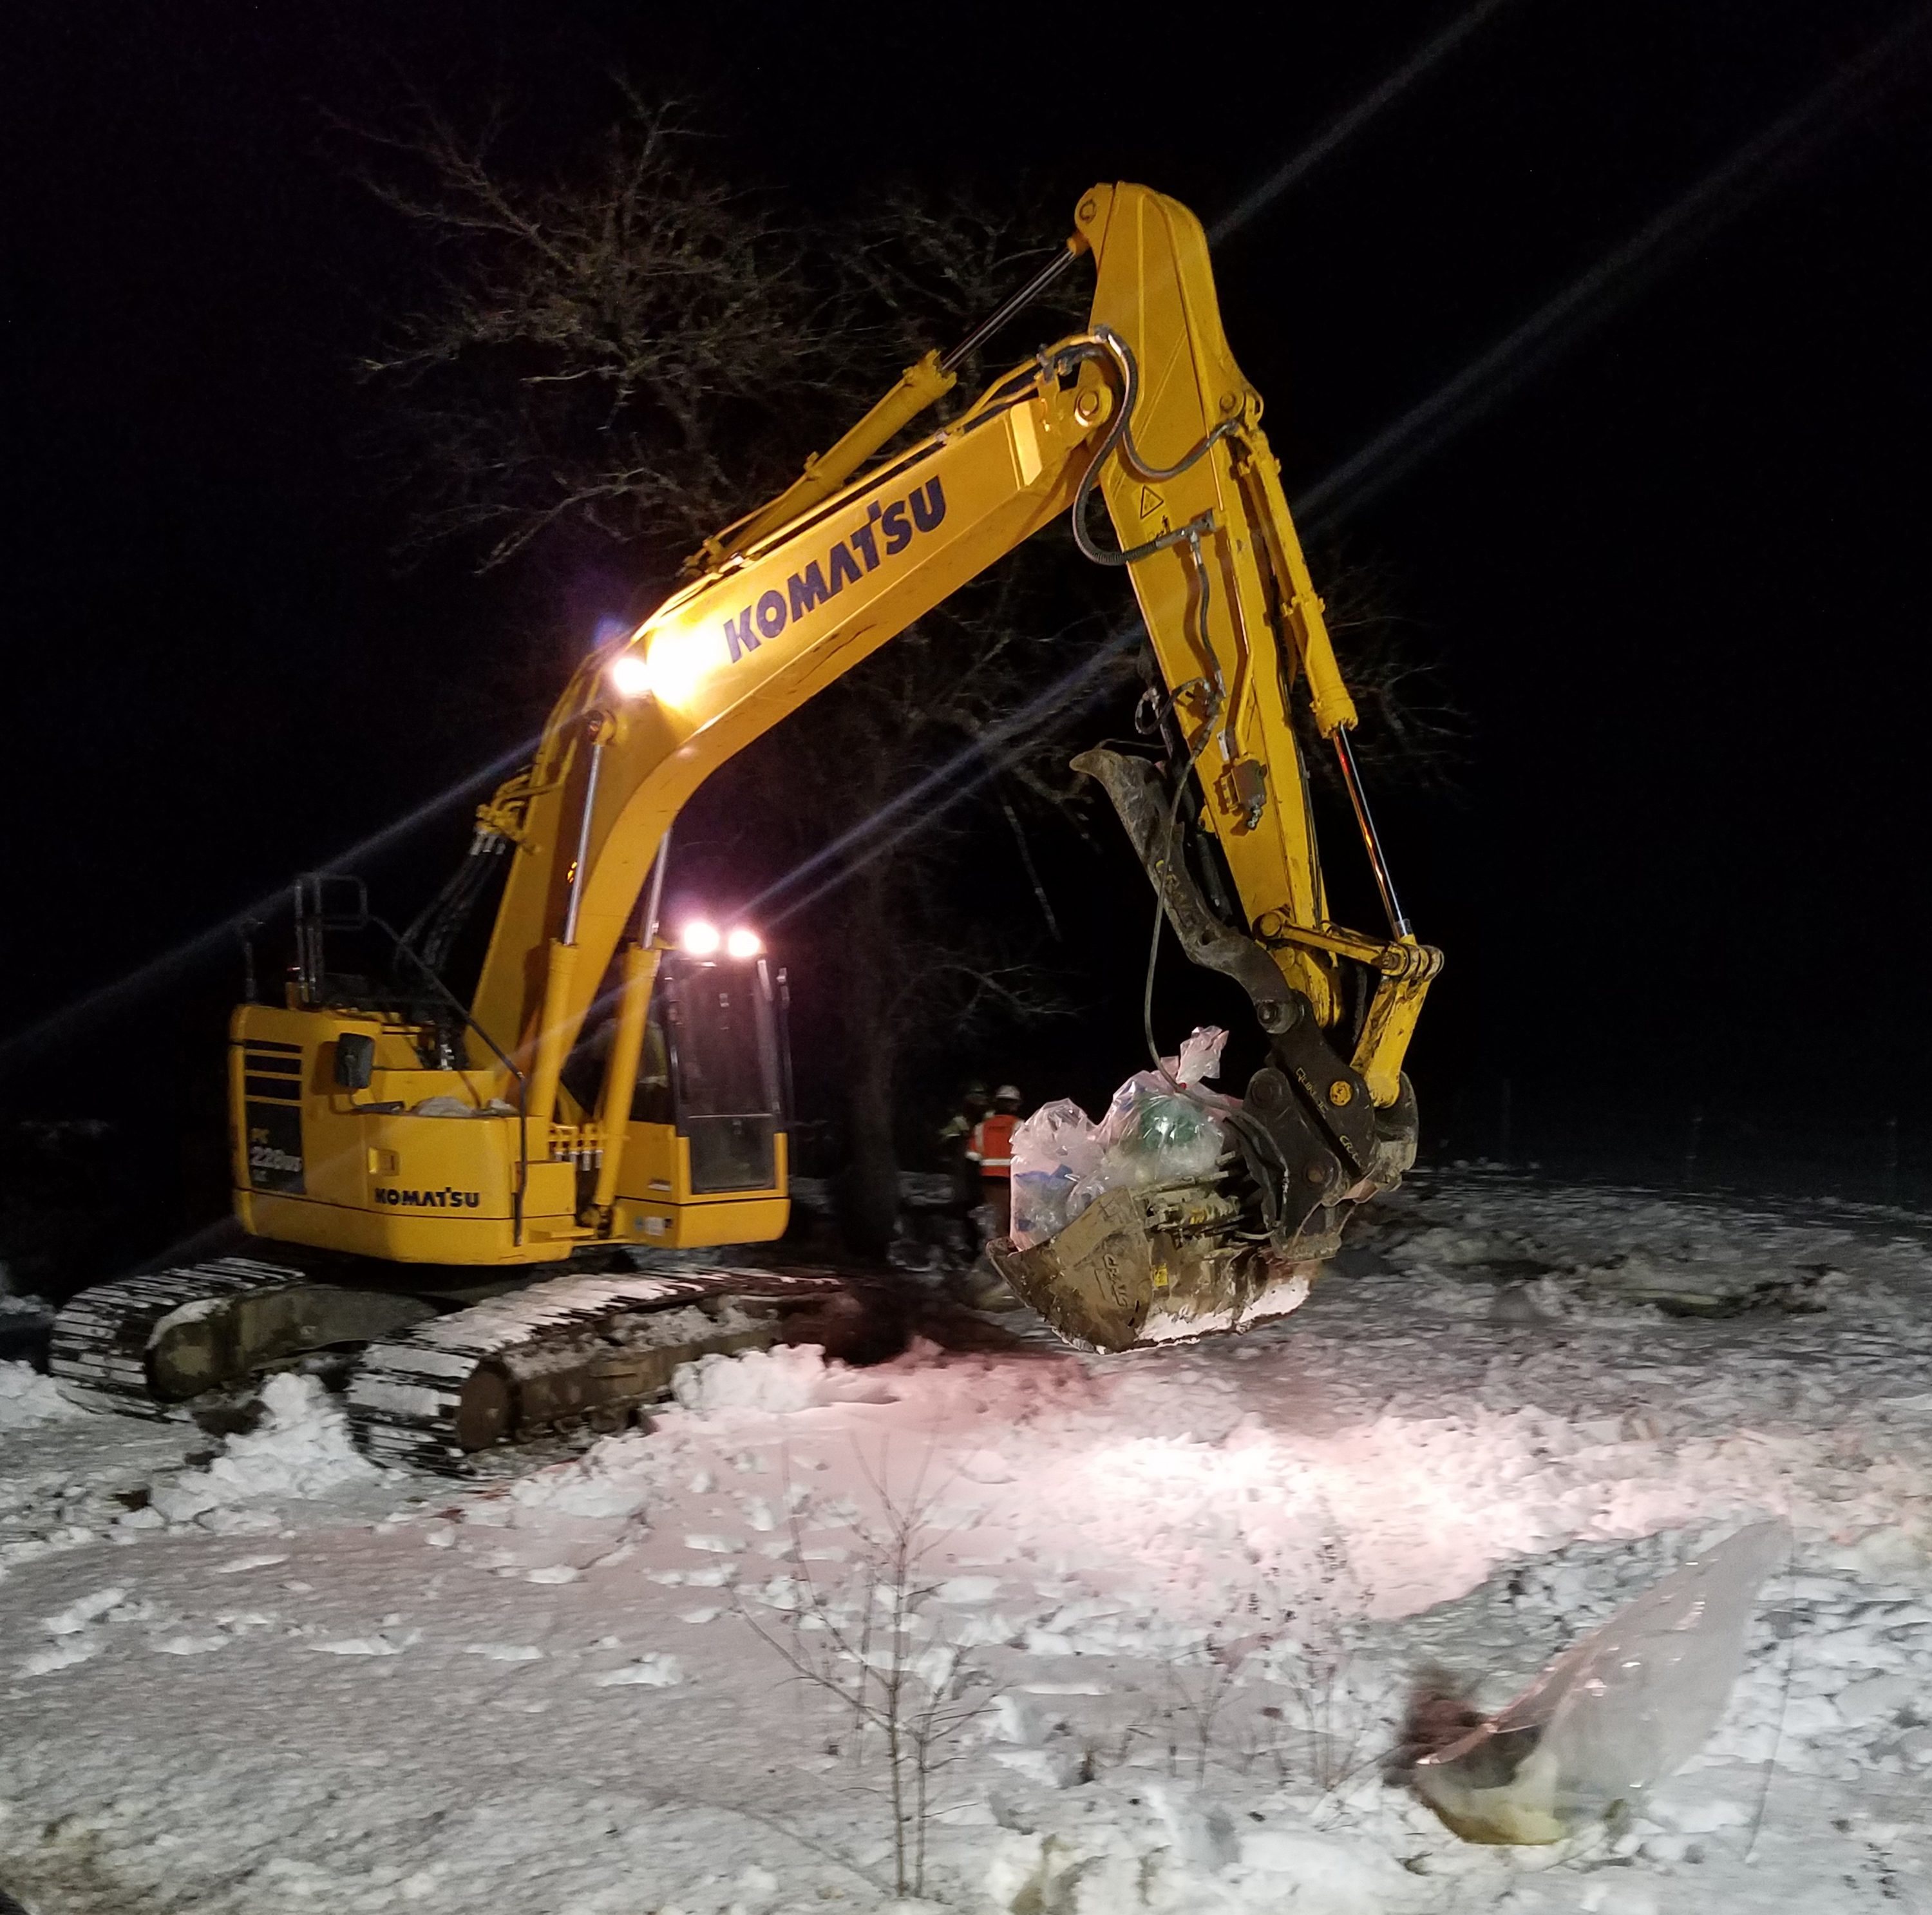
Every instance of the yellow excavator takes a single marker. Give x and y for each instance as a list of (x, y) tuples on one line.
[(504, 1205)]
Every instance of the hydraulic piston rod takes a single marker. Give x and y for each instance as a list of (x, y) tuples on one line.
[(1074, 248), (1399, 924)]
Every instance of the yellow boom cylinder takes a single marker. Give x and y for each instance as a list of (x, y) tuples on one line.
[(637, 969), (919, 384), (555, 1026)]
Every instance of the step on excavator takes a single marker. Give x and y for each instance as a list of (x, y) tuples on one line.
[(519, 1211)]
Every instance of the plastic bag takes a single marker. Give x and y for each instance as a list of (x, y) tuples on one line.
[(1200, 1056), (1052, 1151), (1151, 1134), (1624, 1708)]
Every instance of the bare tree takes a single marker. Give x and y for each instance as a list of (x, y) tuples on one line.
[(601, 348), (872, 1643), (1412, 731)]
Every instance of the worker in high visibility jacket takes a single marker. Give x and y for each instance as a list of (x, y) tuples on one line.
[(989, 1149)]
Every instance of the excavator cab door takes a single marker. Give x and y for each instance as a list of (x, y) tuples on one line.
[(705, 1159), (722, 1029)]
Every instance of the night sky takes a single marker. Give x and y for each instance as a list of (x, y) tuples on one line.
[(1676, 578)]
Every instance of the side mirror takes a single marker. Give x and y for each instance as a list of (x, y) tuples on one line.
[(354, 1060)]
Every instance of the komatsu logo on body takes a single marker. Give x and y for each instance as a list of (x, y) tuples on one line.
[(445, 1199), (888, 531)]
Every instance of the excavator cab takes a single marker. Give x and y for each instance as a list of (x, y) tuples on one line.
[(367, 1133), (371, 1118)]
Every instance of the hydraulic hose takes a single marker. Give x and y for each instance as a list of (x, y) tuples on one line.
[(1119, 437)]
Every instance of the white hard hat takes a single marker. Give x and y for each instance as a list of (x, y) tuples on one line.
[(1006, 1091)]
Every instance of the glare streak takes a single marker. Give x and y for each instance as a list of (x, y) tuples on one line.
[(22, 1044), (1722, 193), (157, 969), (1353, 120), (1427, 426), (958, 777), (940, 788), (1422, 429)]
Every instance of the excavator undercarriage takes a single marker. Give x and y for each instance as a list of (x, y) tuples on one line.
[(433, 1382)]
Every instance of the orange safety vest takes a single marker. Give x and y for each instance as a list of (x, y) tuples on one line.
[(990, 1146)]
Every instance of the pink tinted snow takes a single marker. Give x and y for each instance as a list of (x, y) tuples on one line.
[(1112, 1539)]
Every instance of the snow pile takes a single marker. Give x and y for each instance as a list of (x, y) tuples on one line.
[(302, 1449), (618, 1477), (1622, 1256), (28, 1398), (1164, 1848), (72, 1633), (621, 1476), (778, 1382), (651, 1672)]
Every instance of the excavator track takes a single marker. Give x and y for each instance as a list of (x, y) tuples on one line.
[(570, 1353), (101, 1339), (431, 1389)]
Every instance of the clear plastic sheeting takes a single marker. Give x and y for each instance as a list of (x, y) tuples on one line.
[(1152, 1134), (1200, 1056), (1628, 1706), (1053, 1151)]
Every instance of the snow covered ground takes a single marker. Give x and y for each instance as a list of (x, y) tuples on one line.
[(1189, 1597)]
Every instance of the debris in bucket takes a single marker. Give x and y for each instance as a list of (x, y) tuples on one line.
[(1152, 1134)]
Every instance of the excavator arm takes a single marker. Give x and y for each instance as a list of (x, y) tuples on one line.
[(1192, 486)]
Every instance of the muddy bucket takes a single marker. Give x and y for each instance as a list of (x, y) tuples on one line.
[(1109, 1281)]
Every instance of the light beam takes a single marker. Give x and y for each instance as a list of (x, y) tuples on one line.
[(1428, 426), (22, 1044), (1339, 131), (1723, 193)]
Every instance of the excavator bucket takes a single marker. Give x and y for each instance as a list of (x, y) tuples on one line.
[(1142, 1265), (1129, 1272)]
